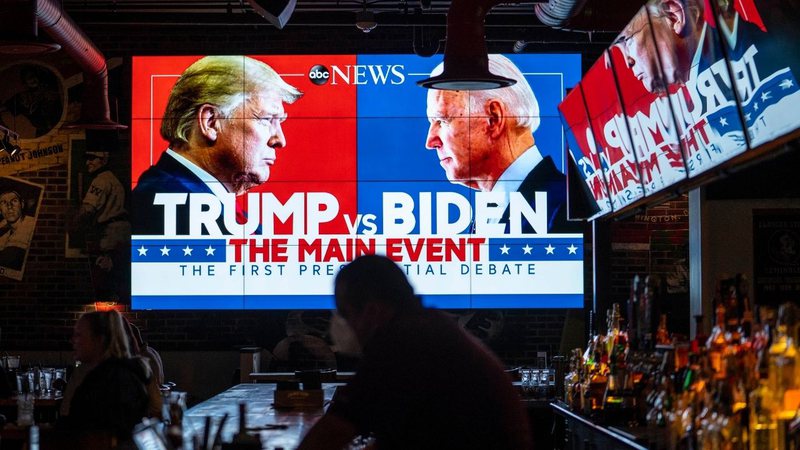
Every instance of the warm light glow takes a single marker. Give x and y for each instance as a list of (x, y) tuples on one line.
[(108, 306)]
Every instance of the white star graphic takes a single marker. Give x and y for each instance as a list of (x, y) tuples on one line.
[(572, 249), (786, 84), (187, 251), (747, 117), (527, 249), (755, 106), (165, 251), (504, 249), (723, 122), (550, 249), (210, 251), (766, 96), (142, 251)]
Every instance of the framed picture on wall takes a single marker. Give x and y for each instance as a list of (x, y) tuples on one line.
[(75, 242), (19, 210), (776, 255)]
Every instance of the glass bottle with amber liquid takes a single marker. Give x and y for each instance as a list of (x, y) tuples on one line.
[(662, 333), (783, 360), (717, 344), (616, 347), (763, 427)]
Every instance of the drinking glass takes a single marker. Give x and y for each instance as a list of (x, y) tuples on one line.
[(25, 409), (59, 374), (46, 376), (525, 379), (25, 382), (12, 362), (536, 381)]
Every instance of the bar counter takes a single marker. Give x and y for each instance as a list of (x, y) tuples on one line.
[(277, 428), (583, 434)]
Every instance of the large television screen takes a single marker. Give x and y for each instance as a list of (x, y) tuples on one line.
[(248, 199), (687, 86)]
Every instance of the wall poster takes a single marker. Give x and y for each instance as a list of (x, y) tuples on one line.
[(19, 210), (776, 256)]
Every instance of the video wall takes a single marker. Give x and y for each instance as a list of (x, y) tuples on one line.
[(257, 200), (687, 85)]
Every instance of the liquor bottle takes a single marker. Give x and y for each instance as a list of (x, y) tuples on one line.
[(632, 313), (662, 334), (763, 420), (732, 304), (646, 301), (783, 366), (616, 344), (572, 380), (717, 344), (747, 308), (613, 328), (598, 374)]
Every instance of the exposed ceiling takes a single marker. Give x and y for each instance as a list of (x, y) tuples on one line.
[(307, 12), (331, 13)]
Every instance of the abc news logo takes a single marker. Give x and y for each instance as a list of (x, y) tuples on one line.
[(358, 74), (319, 74)]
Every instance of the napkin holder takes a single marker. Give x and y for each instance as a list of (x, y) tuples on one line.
[(295, 398), (288, 394)]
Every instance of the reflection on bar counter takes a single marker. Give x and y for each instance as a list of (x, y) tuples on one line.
[(737, 389)]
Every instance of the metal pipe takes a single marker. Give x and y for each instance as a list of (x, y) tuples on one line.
[(95, 111), (556, 13)]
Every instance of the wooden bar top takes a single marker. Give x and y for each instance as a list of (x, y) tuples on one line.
[(282, 428), (38, 399), (275, 377)]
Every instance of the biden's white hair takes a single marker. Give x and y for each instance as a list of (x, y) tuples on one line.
[(518, 98)]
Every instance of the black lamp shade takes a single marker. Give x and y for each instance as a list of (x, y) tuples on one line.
[(466, 58)]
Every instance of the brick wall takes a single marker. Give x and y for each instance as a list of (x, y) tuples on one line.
[(655, 243), (38, 312)]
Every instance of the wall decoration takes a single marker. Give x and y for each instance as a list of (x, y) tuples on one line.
[(31, 100), (75, 242), (776, 255), (34, 104), (19, 208)]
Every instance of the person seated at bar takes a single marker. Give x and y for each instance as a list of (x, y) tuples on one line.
[(423, 382), (112, 395), (139, 347)]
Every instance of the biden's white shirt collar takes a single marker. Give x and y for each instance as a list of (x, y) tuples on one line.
[(512, 177), (515, 174)]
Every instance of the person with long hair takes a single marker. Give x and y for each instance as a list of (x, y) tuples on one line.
[(112, 395)]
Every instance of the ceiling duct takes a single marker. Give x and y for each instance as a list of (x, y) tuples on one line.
[(587, 15), (277, 12), (558, 13), (19, 34), (95, 113), (466, 56)]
